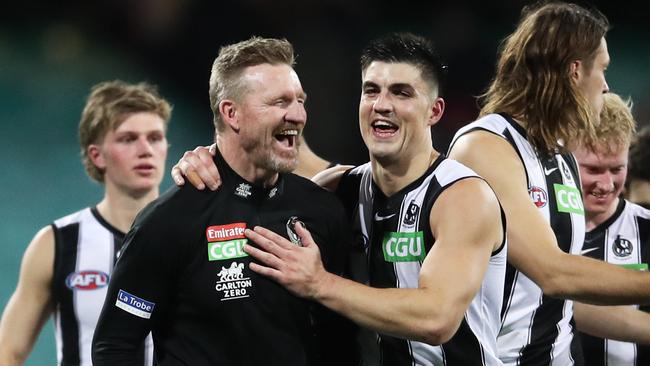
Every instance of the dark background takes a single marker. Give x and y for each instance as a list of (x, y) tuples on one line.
[(51, 53)]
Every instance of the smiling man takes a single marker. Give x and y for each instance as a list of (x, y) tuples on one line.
[(184, 276), (618, 232)]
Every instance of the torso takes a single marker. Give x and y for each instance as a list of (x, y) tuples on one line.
[(623, 239), (537, 329), (392, 237), (86, 247)]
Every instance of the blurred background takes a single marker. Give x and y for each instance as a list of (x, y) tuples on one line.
[(51, 53)]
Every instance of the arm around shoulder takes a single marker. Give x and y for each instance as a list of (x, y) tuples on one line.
[(31, 303), (330, 178)]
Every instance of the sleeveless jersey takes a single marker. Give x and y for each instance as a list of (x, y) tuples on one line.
[(537, 329), (623, 239), (86, 247), (392, 237)]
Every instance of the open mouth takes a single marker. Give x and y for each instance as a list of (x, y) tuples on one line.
[(384, 128), (287, 137)]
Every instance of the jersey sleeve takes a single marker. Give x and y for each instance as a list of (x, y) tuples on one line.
[(138, 292)]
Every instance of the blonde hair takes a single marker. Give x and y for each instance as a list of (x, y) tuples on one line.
[(617, 125), (533, 82), (107, 106), (225, 78)]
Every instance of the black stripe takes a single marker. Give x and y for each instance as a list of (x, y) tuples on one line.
[(594, 350), (463, 348), (66, 242), (544, 329), (509, 289)]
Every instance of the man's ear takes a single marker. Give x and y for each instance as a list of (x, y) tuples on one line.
[(575, 70), (437, 110), (229, 114), (96, 156)]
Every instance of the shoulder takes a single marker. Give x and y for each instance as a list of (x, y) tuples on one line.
[(637, 210), (73, 218)]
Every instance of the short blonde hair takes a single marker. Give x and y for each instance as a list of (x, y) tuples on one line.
[(225, 78), (617, 125), (107, 106)]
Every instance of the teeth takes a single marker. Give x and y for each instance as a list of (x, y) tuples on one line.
[(289, 133), (382, 124)]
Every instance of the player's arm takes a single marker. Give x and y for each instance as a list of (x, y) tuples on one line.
[(31, 303), (621, 323), (199, 168), (451, 273), (134, 301), (532, 245)]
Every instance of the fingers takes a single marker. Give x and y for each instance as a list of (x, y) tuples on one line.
[(269, 236), (265, 271), (199, 168), (177, 177), (264, 257), (206, 169), (305, 236)]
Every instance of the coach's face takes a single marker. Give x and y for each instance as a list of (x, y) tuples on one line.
[(396, 110), (271, 116)]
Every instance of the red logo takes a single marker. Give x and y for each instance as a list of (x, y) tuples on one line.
[(538, 196), (86, 280), (225, 232)]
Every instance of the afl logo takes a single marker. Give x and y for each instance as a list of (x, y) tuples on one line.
[(538, 196), (622, 247), (86, 280)]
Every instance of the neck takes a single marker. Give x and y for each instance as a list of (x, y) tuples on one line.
[(595, 219), (392, 176), (119, 208), (241, 162)]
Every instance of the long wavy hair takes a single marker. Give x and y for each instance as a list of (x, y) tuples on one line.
[(533, 82)]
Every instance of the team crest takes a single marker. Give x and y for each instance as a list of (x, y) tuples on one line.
[(622, 247), (412, 214), (291, 232)]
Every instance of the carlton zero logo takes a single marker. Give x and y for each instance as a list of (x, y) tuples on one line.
[(86, 280), (232, 283), (226, 241), (403, 247), (568, 199)]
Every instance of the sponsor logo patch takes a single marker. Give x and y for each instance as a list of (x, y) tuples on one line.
[(226, 241), (538, 195), (86, 280), (134, 305), (403, 247), (568, 199), (232, 284)]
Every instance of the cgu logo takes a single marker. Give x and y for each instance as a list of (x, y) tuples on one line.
[(568, 199), (86, 280), (404, 247)]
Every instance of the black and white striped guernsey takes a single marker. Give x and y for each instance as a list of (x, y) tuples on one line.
[(392, 238), (623, 239), (537, 329), (86, 247)]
